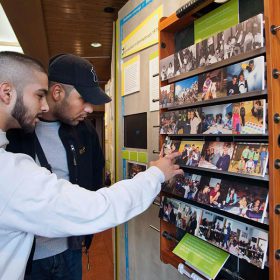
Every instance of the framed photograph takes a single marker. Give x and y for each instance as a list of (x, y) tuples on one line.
[(249, 158), (166, 68), (216, 155), (217, 119), (134, 168), (166, 96), (211, 85), (186, 91)]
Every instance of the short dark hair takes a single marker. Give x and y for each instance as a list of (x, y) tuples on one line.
[(22, 59)]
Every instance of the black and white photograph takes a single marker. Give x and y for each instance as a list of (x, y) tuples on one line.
[(217, 119), (211, 85), (166, 96), (166, 68), (186, 91), (185, 60), (250, 158), (246, 76), (244, 37), (133, 168), (216, 155)]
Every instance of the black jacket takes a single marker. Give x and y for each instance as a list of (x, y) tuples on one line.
[(84, 157)]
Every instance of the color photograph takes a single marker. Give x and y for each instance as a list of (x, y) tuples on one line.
[(133, 168), (246, 76), (170, 146), (166, 96), (190, 152), (168, 122), (216, 155), (249, 117), (185, 186), (249, 158), (186, 91), (217, 119), (211, 85)]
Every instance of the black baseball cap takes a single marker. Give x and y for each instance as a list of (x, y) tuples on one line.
[(76, 71)]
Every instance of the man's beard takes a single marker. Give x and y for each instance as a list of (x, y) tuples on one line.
[(20, 113)]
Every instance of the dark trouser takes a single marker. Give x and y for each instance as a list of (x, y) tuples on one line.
[(64, 266)]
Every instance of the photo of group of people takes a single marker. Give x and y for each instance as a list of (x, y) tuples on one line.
[(235, 157), (249, 158), (246, 200), (245, 158), (184, 216), (166, 96), (246, 76), (242, 240), (186, 91), (239, 78), (247, 117), (133, 168), (242, 38)]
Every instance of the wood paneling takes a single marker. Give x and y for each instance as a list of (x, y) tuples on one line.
[(45, 28)]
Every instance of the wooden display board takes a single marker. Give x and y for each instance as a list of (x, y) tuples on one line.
[(168, 29)]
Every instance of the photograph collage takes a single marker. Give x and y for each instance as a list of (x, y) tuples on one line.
[(239, 78), (241, 38), (242, 240), (241, 158), (246, 117), (246, 200)]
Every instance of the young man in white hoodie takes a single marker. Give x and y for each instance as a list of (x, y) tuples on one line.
[(34, 201)]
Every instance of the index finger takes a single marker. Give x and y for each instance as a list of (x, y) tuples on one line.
[(173, 155)]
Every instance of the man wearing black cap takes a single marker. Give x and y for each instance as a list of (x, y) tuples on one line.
[(68, 145)]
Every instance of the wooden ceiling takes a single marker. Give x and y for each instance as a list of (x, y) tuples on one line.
[(45, 28)]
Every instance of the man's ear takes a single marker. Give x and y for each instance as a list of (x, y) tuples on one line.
[(6, 93), (57, 92)]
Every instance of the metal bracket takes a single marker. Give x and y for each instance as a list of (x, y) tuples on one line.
[(276, 118), (156, 152), (277, 163), (277, 254), (277, 209), (274, 29), (155, 100), (275, 73)]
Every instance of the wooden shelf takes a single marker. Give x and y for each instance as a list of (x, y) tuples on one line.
[(258, 94), (208, 170), (220, 64), (219, 211)]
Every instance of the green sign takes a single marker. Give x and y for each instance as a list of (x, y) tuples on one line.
[(218, 20), (200, 255)]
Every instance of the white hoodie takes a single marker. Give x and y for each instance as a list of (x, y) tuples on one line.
[(33, 201)]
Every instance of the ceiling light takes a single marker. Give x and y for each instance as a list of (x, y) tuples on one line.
[(95, 44)]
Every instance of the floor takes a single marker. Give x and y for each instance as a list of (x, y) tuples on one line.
[(101, 258)]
